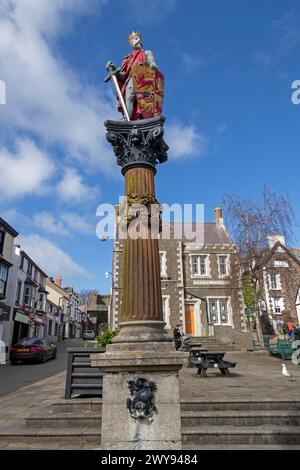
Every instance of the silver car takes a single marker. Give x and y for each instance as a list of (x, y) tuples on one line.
[(89, 334)]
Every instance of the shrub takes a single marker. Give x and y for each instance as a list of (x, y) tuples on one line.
[(105, 338)]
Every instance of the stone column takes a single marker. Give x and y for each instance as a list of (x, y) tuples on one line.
[(142, 350)]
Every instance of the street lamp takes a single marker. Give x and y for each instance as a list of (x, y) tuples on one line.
[(107, 274)]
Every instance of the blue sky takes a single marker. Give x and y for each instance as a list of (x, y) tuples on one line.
[(231, 125)]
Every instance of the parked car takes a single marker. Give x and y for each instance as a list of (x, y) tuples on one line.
[(89, 333), (32, 349)]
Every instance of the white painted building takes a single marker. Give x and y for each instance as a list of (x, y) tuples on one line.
[(27, 297)]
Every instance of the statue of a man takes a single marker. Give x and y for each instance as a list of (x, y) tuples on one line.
[(141, 87)]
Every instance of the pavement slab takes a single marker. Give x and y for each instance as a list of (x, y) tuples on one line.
[(256, 377)]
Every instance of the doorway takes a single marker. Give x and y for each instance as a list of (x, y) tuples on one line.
[(190, 319)]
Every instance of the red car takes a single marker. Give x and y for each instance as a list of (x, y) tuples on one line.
[(32, 349)]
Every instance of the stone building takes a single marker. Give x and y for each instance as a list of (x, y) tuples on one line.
[(97, 312), (279, 283), (201, 283), (57, 310), (7, 236)]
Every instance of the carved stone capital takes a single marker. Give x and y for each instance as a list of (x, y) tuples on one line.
[(138, 143)]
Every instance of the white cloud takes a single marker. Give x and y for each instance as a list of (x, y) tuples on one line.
[(64, 224), (72, 189), (48, 223), (78, 224), (24, 171), (50, 258), (44, 96), (185, 141)]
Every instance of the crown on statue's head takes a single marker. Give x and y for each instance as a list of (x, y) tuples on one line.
[(134, 33)]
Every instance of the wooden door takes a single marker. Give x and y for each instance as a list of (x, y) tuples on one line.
[(189, 319)]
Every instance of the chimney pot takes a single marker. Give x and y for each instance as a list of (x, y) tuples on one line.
[(58, 280)]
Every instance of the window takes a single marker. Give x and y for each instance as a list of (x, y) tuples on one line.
[(218, 311), (29, 268), (278, 304), (223, 265), (18, 294), (3, 279), (281, 264), (223, 311), (166, 310), (50, 328), (213, 311), (27, 295), (22, 262), (56, 329), (163, 263), (199, 265), (275, 281), (2, 236)]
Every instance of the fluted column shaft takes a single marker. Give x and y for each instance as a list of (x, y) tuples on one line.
[(141, 289)]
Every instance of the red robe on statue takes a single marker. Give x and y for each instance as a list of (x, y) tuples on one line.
[(137, 57)]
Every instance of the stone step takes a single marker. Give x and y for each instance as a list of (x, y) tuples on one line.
[(218, 347), (218, 435), (87, 388), (240, 418), (239, 447), (68, 420), (46, 446), (233, 405), (73, 436), (78, 405)]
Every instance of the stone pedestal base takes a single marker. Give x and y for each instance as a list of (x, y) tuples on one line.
[(119, 430)]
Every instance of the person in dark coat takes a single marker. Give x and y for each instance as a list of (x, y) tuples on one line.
[(177, 337)]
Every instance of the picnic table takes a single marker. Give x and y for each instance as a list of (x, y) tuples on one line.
[(204, 360), (193, 350)]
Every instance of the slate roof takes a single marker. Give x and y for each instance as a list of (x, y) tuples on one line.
[(296, 252), (212, 233)]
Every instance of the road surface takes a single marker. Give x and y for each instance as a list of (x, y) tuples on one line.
[(15, 377)]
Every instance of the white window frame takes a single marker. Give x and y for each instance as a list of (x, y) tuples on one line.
[(277, 281), (163, 263), (207, 265), (226, 265), (281, 264), (280, 301), (166, 311), (219, 299)]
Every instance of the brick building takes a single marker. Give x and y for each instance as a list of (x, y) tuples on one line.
[(279, 283), (201, 283)]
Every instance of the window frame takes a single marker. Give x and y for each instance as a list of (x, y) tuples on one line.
[(3, 281), (2, 241), (226, 265), (199, 257), (218, 301)]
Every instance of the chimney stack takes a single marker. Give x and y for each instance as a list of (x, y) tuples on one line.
[(275, 238), (219, 216), (58, 280)]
